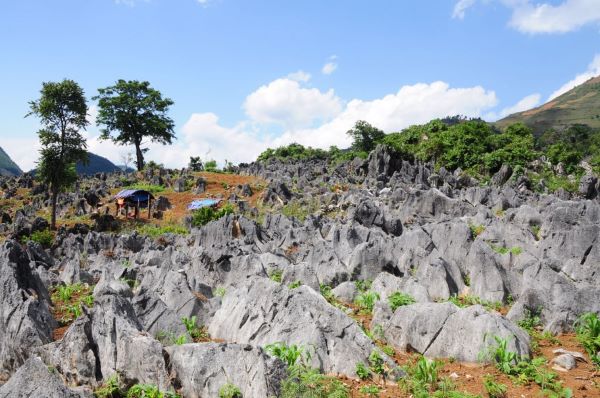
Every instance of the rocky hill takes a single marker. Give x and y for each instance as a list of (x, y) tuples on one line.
[(580, 105), (338, 281), (7, 166), (96, 164)]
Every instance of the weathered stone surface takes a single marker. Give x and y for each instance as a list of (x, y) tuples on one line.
[(35, 379), (202, 369)]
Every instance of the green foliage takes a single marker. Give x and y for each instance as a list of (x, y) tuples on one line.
[(220, 292), (148, 391), (205, 215), (154, 231), (399, 299), (536, 231), (211, 166), (468, 300), (44, 238), (287, 353), (295, 284), (326, 292), (147, 187), (307, 382), (300, 209), (366, 301), (531, 321), (62, 111), (132, 111), (587, 328), (493, 388), (372, 390), (364, 136), (109, 389), (362, 371), (363, 286), (376, 364), (69, 300), (505, 250), (195, 163), (230, 391), (476, 230), (196, 332), (275, 275), (565, 154), (293, 151)]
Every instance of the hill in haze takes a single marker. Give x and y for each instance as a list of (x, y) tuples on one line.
[(97, 164), (7, 166), (580, 105)]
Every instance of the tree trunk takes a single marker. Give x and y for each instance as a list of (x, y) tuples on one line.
[(53, 216), (140, 157)]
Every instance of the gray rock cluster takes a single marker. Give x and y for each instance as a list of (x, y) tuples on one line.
[(405, 226)]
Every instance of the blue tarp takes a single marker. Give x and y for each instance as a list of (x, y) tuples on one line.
[(134, 195), (200, 203)]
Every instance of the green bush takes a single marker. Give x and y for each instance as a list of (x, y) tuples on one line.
[(154, 231), (306, 382), (290, 354), (230, 391), (587, 328), (399, 299), (366, 301), (44, 238), (211, 166), (205, 215), (293, 151), (147, 187), (148, 391)]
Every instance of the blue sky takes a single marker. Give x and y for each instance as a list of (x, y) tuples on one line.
[(249, 74)]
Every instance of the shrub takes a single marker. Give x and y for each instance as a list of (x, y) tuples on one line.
[(295, 285), (44, 238), (362, 371), (154, 231), (371, 390), (287, 353), (275, 275), (147, 187), (196, 332), (148, 391), (210, 166), (205, 215), (220, 292), (109, 389), (306, 382), (399, 299), (366, 301), (230, 391), (587, 328), (493, 388)]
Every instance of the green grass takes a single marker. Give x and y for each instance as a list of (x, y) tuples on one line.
[(299, 210), (515, 251), (195, 331), (295, 284), (154, 231), (44, 238), (306, 382), (69, 300), (290, 354), (275, 275), (366, 301), (147, 187), (468, 300), (205, 215)]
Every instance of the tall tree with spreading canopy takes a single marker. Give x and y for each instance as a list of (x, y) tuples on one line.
[(62, 111), (364, 136), (132, 111)]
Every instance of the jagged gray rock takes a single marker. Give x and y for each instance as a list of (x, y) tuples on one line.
[(202, 369)]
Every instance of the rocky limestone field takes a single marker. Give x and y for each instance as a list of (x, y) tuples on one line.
[(377, 277)]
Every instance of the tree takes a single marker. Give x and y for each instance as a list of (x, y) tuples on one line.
[(62, 110), (134, 111), (365, 136)]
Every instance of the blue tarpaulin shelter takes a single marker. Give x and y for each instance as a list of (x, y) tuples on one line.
[(200, 203), (136, 198)]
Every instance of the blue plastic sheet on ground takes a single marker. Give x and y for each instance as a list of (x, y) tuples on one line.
[(200, 203)]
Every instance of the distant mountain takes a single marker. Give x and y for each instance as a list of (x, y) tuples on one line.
[(97, 164), (7, 166), (580, 105)]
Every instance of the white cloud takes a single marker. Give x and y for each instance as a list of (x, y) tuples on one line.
[(547, 18), (593, 70), (529, 17), (460, 8), (203, 135), (526, 103), (299, 76), (330, 66), (285, 102)]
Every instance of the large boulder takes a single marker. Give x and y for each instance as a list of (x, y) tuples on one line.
[(442, 330), (25, 319), (202, 369), (36, 380), (263, 312)]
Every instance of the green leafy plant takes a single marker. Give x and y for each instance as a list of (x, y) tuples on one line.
[(230, 391), (399, 299), (531, 321), (205, 215), (476, 230), (196, 332), (363, 285), (290, 354), (362, 371), (376, 363), (587, 328), (44, 238), (307, 382), (371, 391), (109, 389), (295, 285), (220, 292), (275, 275), (147, 187), (366, 301), (148, 391), (493, 388)]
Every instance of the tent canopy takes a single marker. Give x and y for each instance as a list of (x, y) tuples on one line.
[(200, 203), (134, 195)]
